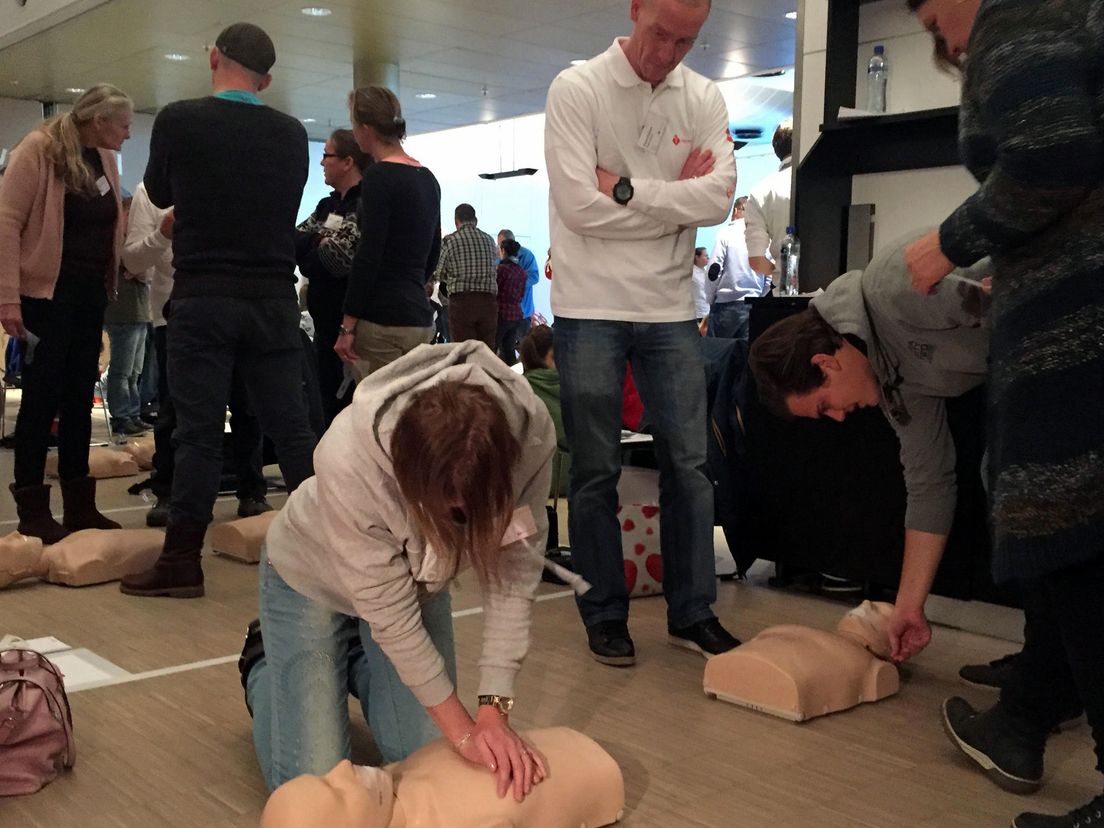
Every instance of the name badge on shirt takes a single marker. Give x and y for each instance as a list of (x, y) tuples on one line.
[(102, 185), (333, 221), (651, 134)]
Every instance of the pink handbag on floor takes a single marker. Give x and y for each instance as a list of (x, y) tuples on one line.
[(36, 725)]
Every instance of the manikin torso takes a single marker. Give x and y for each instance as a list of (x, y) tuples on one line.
[(798, 673), (90, 556), (435, 787)]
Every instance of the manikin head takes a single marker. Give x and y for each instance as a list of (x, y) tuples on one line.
[(241, 58), (804, 368), (343, 161), (950, 23), (868, 624), (663, 34), (347, 795)]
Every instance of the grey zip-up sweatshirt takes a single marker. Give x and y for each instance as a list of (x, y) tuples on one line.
[(930, 348), (346, 540)]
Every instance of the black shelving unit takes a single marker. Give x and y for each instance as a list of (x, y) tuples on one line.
[(845, 148)]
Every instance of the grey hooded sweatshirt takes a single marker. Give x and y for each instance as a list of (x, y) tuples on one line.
[(346, 539), (923, 350)]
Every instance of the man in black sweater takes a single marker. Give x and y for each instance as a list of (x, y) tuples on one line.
[(234, 170)]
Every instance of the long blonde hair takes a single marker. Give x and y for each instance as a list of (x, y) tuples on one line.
[(63, 149)]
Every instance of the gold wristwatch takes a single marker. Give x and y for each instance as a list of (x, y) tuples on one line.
[(503, 704)]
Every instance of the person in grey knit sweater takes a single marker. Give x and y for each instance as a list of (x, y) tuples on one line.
[(1032, 133), (368, 547)]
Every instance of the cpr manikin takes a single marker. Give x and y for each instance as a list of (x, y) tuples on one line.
[(241, 539), (102, 463), (91, 556), (799, 673), (434, 788)]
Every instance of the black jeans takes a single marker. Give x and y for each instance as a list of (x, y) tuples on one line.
[(1063, 656), (208, 339), (59, 381), (325, 298), (245, 436)]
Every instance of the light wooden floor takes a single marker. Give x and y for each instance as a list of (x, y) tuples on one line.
[(176, 750)]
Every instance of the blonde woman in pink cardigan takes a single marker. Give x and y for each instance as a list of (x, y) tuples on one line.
[(61, 230)]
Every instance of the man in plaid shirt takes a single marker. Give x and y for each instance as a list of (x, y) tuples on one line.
[(467, 270)]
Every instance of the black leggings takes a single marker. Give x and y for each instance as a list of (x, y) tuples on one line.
[(59, 381), (1063, 655)]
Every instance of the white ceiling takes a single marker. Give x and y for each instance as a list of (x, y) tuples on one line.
[(483, 59)]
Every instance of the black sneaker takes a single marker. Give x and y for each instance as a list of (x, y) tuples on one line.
[(1082, 817), (994, 674), (252, 652), (999, 744), (610, 644), (127, 428), (706, 637), (253, 506), (159, 514)]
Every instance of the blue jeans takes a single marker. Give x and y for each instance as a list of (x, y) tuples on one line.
[(128, 350), (300, 692), (670, 376), (729, 320)]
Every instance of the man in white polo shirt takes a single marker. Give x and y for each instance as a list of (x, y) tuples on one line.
[(638, 153)]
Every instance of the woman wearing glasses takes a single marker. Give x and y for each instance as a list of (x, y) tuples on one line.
[(324, 247)]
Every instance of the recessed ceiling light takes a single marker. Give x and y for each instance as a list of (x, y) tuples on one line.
[(426, 96), (309, 120), (791, 15), (578, 61), (14, 83), (176, 56), (76, 90), (317, 11)]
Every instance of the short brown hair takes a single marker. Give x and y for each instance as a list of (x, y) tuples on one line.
[(783, 139), (464, 213), (535, 347), (781, 358), (378, 108), (346, 146), (458, 481)]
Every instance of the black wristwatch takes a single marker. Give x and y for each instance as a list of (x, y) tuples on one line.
[(622, 190)]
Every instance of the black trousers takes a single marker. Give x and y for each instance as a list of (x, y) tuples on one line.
[(245, 438), (59, 381), (208, 339), (325, 299), (1062, 661)]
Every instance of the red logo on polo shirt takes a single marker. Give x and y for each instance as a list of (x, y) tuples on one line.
[(676, 140)]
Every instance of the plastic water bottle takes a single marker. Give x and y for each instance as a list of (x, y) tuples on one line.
[(790, 256), (877, 73)]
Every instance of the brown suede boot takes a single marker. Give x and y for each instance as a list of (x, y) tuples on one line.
[(177, 573), (35, 519), (78, 498)]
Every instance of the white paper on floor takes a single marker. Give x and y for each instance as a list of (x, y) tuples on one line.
[(82, 668)]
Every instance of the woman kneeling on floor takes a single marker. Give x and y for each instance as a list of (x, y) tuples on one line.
[(442, 461)]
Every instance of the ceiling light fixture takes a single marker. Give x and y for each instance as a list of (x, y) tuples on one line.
[(76, 90), (578, 61), (495, 176), (309, 120), (176, 56), (426, 96), (791, 15), (317, 11)]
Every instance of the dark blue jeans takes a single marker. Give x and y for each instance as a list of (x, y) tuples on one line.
[(669, 374), (208, 339), (729, 320)]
